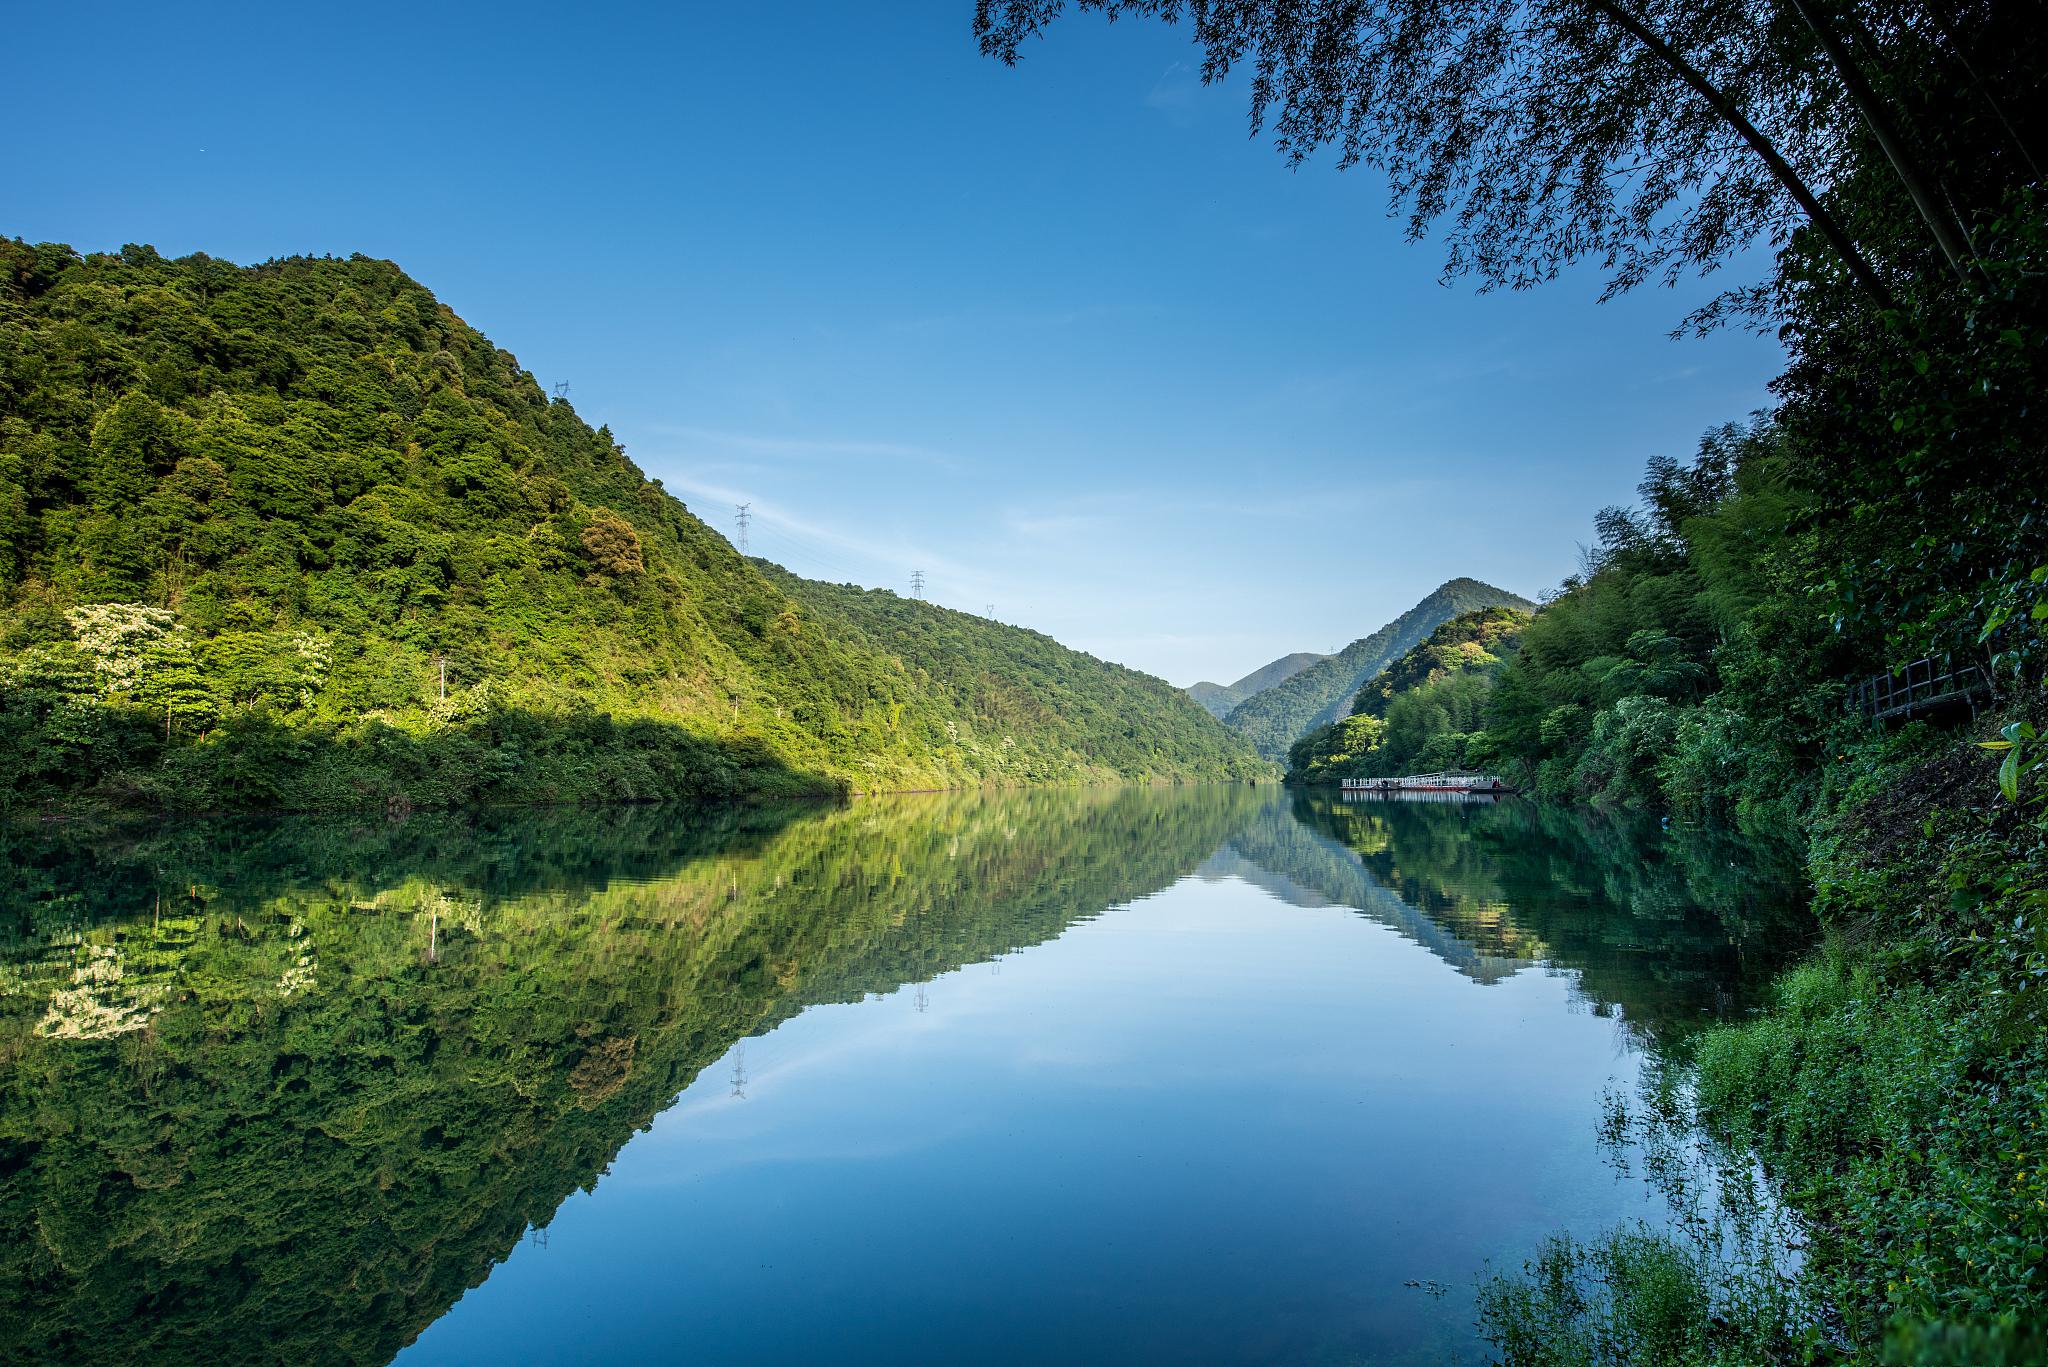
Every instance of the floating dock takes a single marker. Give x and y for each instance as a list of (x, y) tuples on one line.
[(1447, 783)]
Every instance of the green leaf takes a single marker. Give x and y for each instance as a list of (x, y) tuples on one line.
[(2009, 776)]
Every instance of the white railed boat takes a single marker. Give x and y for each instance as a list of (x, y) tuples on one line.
[(1447, 783)]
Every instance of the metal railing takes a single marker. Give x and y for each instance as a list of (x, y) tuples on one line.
[(1921, 686)]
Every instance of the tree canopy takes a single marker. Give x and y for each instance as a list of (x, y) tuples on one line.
[(1648, 137)]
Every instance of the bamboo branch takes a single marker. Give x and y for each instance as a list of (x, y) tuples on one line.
[(1816, 212), (1954, 245)]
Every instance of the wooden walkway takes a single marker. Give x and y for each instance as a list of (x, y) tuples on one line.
[(1922, 686)]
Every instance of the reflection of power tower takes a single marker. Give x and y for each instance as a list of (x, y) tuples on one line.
[(739, 1073), (923, 1001), (538, 1236)]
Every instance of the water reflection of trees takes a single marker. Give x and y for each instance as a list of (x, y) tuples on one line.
[(1669, 928), (284, 1091)]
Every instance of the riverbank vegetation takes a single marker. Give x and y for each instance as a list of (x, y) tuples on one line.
[(1887, 510), (294, 535)]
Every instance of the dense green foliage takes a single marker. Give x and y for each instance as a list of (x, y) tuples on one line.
[(1221, 698), (1422, 712), (1897, 1094), (282, 1092), (252, 519), (1030, 709), (1321, 693)]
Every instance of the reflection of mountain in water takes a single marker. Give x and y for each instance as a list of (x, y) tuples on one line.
[(1670, 929), (1325, 873), (283, 1092)]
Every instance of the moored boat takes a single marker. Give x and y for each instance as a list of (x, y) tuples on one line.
[(1441, 782)]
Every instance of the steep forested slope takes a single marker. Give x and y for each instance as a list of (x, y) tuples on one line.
[(1021, 704), (1322, 693), (251, 519), (1424, 711), (1221, 698)]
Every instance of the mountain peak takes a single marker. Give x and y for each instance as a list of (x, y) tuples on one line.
[(1276, 717)]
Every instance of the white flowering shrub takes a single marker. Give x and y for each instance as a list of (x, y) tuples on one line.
[(120, 639)]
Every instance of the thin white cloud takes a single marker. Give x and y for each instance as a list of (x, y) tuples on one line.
[(761, 445), (890, 554)]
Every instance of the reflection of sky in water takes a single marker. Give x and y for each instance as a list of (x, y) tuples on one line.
[(1207, 1127)]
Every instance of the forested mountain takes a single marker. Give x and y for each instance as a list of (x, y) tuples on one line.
[(296, 535), (1221, 698), (1422, 712), (1321, 693), (1039, 711)]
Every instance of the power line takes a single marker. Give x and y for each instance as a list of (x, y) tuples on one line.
[(917, 585), (745, 518)]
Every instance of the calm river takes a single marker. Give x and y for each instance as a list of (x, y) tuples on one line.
[(1208, 1075)]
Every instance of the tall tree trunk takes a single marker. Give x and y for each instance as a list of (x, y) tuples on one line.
[(1948, 234), (1824, 222)]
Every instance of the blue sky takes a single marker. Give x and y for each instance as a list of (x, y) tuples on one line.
[(1064, 337)]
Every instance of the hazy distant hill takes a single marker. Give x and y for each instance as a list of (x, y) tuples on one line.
[(1221, 698), (1322, 692)]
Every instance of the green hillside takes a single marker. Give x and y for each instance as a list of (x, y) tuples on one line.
[(1322, 693), (252, 517), (1221, 698), (1424, 711), (1028, 709)]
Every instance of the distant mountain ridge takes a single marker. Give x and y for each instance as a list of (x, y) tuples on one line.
[(1221, 698), (1322, 692)]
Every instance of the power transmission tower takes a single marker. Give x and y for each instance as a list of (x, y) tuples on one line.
[(746, 517), (739, 1072), (991, 613), (562, 389), (917, 585)]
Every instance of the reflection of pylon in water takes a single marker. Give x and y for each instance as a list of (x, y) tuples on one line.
[(923, 1001), (739, 1073), (538, 1235)]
